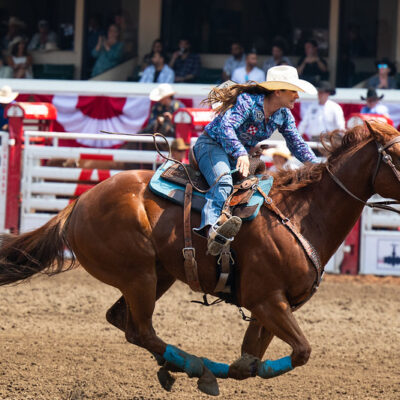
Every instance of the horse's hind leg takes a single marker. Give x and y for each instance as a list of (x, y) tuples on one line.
[(140, 295), (117, 314)]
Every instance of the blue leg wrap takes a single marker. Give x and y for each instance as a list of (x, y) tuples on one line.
[(270, 369), (192, 365), (220, 370)]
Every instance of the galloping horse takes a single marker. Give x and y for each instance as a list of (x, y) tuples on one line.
[(127, 237)]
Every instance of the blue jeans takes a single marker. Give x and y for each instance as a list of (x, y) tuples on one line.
[(213, 162)]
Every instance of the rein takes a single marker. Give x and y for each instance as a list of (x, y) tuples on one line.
[(169, 158), (387, 159)]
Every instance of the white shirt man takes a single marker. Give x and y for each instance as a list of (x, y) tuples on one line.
[(249, 72), (324, 116)]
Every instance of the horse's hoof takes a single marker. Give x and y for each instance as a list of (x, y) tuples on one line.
[(165, 378), (207, 383), (244, 367)]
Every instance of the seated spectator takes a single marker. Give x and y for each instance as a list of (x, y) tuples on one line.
[(236, 60), (6, 72), (108, 51), (384, 79), (278, 56), (161, 112), (45, 39), (6, 96), (281, 159), (185, 63), (311, 66), (250, 72), (178, 150), (19, 59), (324, 116), (159, 71), (373, 106), (156, 47), (15, 29)]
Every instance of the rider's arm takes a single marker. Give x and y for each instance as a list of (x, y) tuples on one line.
[(224, 131), (295, 143)]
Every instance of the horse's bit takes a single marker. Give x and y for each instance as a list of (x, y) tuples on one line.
[(386, 158)]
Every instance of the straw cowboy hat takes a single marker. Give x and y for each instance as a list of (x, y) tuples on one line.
[(161, 91), (179, 144), (279, 151), (286, 77), (7, 95)]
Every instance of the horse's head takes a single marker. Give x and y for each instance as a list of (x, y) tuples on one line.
[(386, 174)]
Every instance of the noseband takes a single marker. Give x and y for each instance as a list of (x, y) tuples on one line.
[(387, 159)]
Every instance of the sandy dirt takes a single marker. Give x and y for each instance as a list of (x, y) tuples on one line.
[(56, 343)]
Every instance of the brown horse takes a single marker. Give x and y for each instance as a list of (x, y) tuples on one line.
[(127, 237)]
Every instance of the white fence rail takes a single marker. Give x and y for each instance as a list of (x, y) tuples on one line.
[(3, 178)]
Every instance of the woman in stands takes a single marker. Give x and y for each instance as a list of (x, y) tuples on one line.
[(20, 60), (246, 115)]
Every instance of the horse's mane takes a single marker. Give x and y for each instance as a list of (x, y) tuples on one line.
[(335, 144)]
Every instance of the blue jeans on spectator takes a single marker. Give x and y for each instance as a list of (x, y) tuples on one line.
[(213, 161)]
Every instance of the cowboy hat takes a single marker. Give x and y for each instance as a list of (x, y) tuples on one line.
[(279, 151), (286, 77), (7, 95), (325, 86), (372, 95), (161, 91), (179, 145)]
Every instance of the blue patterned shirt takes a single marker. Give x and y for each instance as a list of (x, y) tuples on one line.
[(243, 126)]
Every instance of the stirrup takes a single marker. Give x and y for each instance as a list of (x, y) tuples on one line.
[(222, 235)]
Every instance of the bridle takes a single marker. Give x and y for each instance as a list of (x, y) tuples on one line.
[(387, 159)]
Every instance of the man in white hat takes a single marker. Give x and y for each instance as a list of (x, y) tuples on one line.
[(246, 115), (161, 112), (6, 97)]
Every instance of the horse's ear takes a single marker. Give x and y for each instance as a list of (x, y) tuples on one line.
[(371, 130)]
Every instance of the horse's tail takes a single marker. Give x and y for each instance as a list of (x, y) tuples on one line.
[(42, 250)]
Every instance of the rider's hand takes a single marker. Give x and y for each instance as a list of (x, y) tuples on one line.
[(243, 165)]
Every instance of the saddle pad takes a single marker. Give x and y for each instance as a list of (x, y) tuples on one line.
[(175, 192)]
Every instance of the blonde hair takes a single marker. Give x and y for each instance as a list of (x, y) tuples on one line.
[(225, 98)]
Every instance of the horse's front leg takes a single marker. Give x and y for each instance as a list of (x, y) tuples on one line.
[(256, 339), (276, 317)]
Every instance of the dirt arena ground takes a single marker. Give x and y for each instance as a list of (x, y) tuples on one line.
[(56, 343)]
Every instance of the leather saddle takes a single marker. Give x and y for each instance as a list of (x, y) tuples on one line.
[(243, 189)]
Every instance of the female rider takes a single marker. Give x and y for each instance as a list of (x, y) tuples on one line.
[(247, 114)]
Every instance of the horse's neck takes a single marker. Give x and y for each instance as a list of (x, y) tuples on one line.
[(329, 213)]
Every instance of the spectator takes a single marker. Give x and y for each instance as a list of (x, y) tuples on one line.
[(278, 57), (185, 63), (108, 51), (384, 79), (373, 106), (45, 39), (19, 59), (178, 150), (250, 72), (159, 71), (6, 72), (15, 28), (311, 66), (324, 116), (6, 97), (236, 60), (161, 112), (281, 159), (156, 47)]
